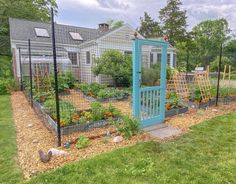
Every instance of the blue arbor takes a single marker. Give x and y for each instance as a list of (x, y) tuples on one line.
[(148, 102)]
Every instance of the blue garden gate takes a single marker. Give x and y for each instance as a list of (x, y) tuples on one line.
[(149, 102)]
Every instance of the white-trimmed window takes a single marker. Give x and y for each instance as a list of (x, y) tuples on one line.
[(168, 59), (73, 57), (174, 60), (88, 57), (151, 58), (127, 52), (41, 32), (76, 36), (158, 57)]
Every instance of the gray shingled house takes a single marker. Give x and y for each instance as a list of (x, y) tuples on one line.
[(77, 47)]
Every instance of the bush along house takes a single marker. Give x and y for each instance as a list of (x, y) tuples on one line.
[(77, 47)]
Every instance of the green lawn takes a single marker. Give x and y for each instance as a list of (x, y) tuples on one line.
[(205, 155), (9, 171)]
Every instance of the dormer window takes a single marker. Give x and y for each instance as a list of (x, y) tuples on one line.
[(76, 36), (41, 32)]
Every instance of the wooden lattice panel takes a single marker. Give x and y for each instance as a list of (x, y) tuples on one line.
[(203, 82), (178, 84)]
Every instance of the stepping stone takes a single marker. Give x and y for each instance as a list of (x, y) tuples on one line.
[(154, 127), (165, 132)]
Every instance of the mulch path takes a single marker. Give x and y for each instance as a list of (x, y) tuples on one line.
[(32, 135), (77, 98), (195, 116)]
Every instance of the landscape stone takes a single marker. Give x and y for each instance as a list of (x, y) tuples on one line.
[(117, 139)]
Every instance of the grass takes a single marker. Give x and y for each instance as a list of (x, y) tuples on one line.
[(205, 155), (9, 170)]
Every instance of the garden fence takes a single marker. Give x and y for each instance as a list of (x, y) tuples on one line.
[(81, 78), (92, 92)]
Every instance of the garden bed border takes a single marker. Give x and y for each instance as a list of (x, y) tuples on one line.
[(52, 125), (176, 111)]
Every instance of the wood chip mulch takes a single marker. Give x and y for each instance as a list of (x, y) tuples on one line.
[(195, 116)]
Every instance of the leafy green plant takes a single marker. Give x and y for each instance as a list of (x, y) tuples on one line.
[(6, 86), (66, 81), (173, 101), (223, 91), (82, 142), (67, 110), (114, 111), (128, 126), (43, 96), (82, 120), (97, 111), (91, 89), (112, 93), (117, 65)]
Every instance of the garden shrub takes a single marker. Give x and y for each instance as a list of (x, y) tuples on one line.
[(151, 76), (5, 67), (117, 65), (6, 86)]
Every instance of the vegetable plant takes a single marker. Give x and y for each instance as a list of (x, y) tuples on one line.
[(67, 110), (91, 89), (173, 101), (128, 126), (82, 142), (97, 111)]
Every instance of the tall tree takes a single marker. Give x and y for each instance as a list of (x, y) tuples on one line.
[(24, 9), (113, 24), (208, 35), (149, 27), (173, 21)]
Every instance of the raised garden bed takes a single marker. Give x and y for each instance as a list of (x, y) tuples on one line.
[(96, 92), (92, 99), (65, 130), (173, 112), (227, 99), (200, 105)]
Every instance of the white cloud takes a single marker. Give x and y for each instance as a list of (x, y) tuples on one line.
[(91, 12)]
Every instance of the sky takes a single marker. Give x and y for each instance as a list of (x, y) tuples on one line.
[(88, 13)]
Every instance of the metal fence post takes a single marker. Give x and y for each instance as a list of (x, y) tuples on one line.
[(218, 80), (21, 78), (30, 70), (56, 80)]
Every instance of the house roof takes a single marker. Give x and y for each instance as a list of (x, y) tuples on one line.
[(23, 30)]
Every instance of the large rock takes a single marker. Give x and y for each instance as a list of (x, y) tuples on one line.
[(57, 152), (117, 139)]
